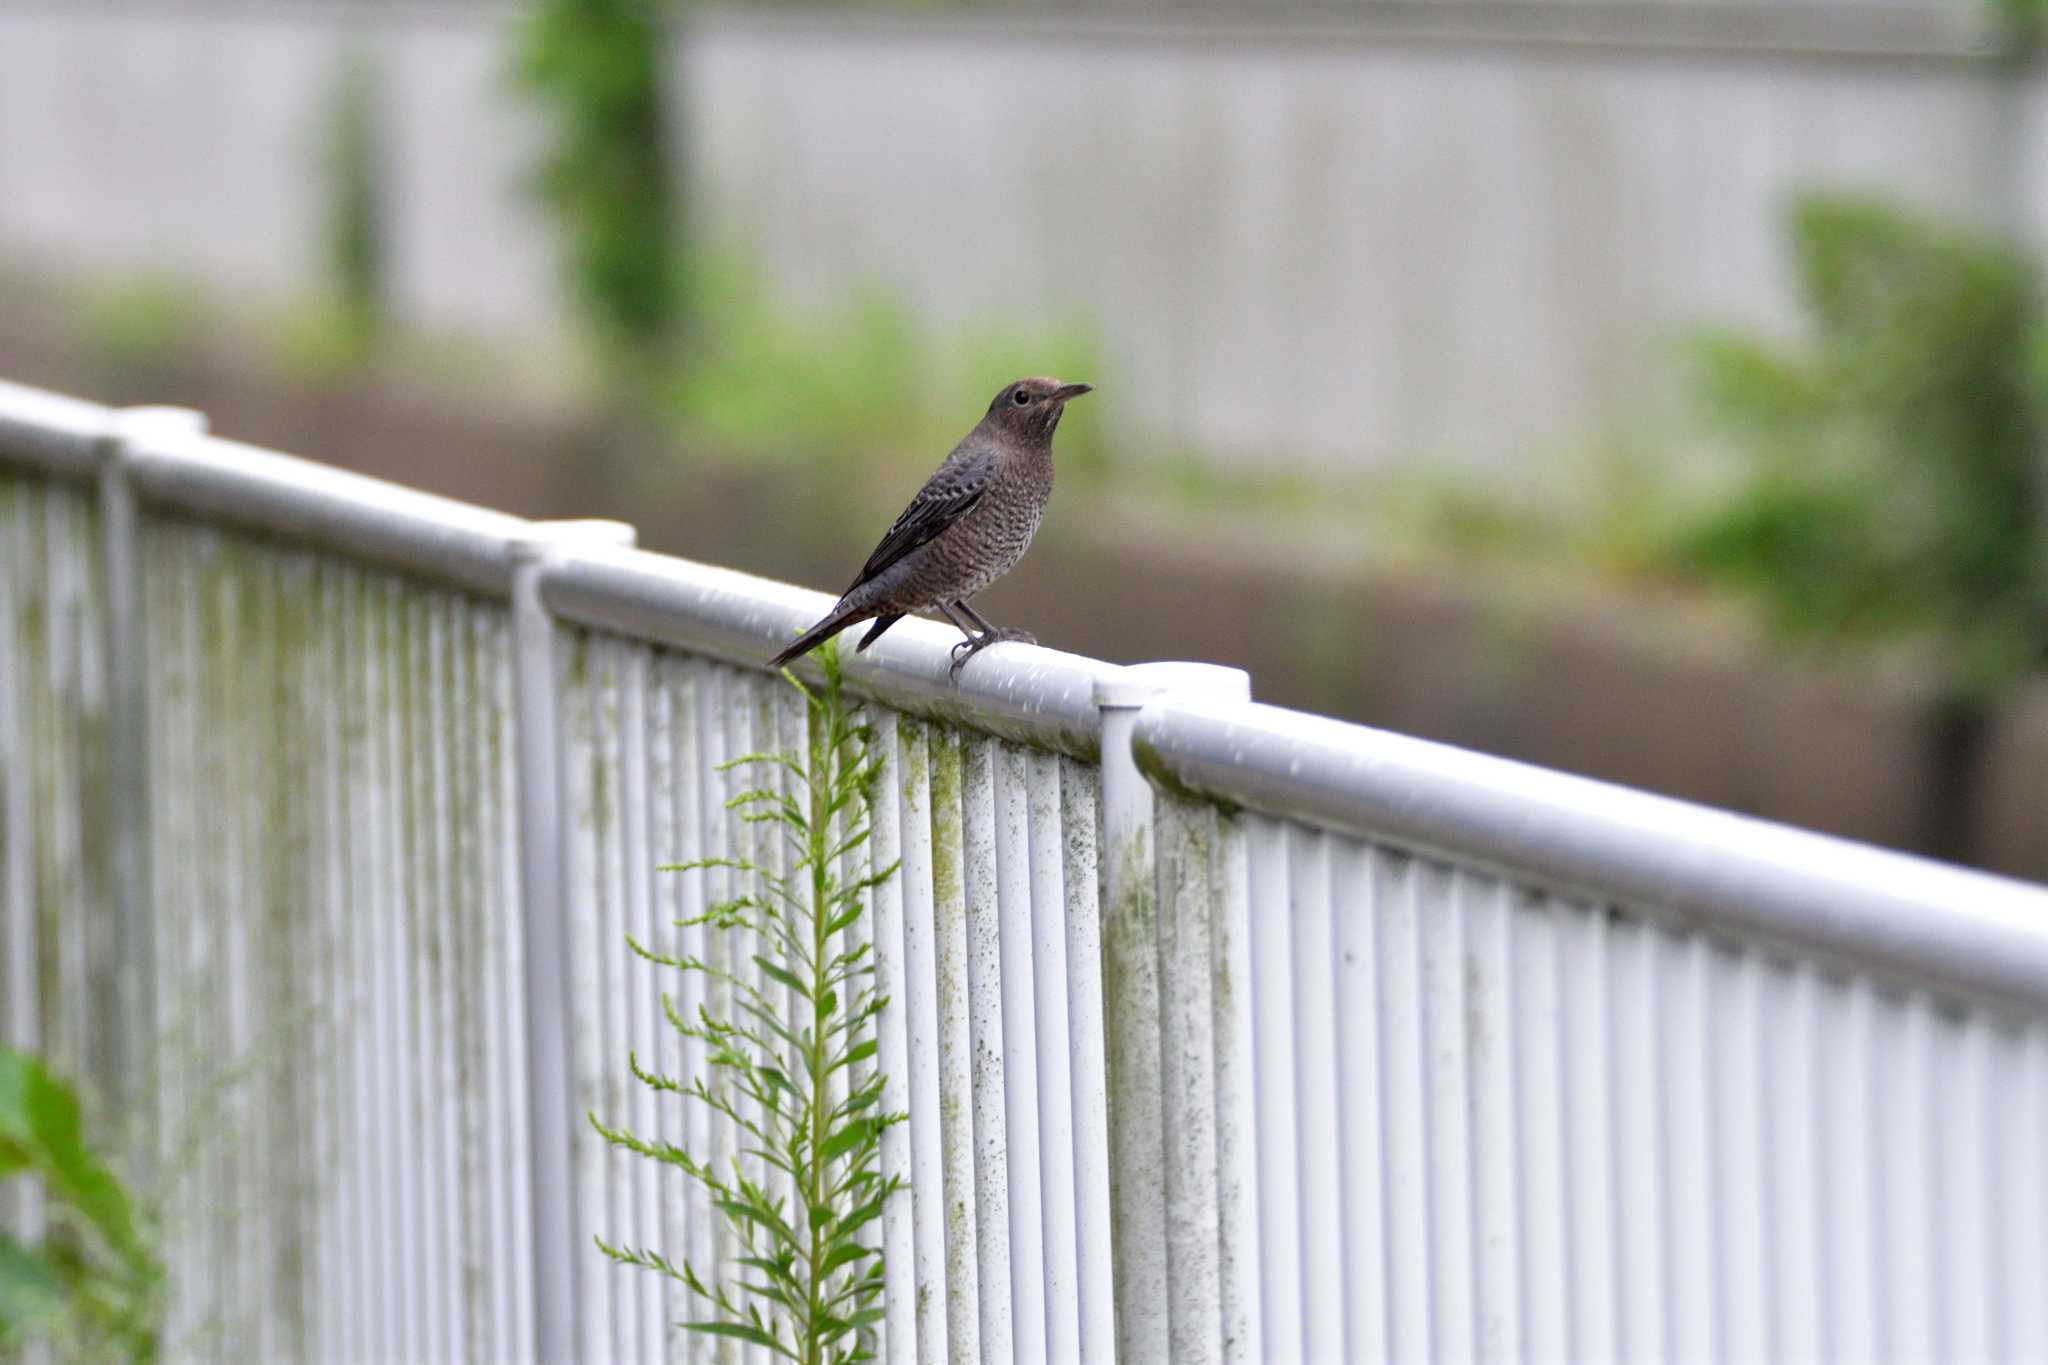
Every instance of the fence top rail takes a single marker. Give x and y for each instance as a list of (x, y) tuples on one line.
[(1035, 696), (281, 495), (1908, 916), (1032, 695), (179, 466), (1903, 915), (62, 435)]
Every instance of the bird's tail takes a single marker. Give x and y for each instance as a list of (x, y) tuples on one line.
[(839, 620)]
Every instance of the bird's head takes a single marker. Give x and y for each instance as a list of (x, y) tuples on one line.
[(1031, 408)]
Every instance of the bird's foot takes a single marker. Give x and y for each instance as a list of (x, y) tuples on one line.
[(973, 645), (966, 650)]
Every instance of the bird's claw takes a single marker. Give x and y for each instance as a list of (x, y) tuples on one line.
[(968, 648)]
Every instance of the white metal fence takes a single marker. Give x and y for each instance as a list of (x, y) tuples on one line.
[(1225, 1032)]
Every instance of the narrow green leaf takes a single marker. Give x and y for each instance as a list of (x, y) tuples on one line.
[(847, 1139), (756, 1213), (775, 973), (741, 1331), (845, 1253)]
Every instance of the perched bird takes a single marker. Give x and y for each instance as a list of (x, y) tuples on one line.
[(967, 527)]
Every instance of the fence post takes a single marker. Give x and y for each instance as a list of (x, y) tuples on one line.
[(127, 737), (1133, 1013), (543, 891)]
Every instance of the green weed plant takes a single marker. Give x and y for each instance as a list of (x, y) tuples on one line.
[(797, 1085), (92, 1286)]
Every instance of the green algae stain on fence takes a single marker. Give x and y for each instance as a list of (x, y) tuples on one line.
[(1130, 939), (1131, 1040), (948, 887), (59, 698), (949, 926), (1224, 831), (596, 683), (288, 941), (949, 897)]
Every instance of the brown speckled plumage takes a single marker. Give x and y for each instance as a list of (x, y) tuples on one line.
[(967, 527)]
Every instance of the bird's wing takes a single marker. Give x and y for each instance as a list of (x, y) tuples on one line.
[(948, 496)]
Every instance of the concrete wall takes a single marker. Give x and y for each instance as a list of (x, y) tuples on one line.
[(188, 139), (1348, 245), (1340, 253)]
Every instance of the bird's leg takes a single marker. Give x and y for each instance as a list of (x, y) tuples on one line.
[(995, 633), (946, 610), (974, 644)]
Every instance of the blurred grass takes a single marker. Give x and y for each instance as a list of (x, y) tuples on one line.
[(861, 379), (143, 321)]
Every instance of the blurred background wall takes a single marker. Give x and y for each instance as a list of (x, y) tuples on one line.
[(1441, 229)]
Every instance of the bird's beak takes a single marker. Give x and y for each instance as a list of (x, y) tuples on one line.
[(1066, 391)]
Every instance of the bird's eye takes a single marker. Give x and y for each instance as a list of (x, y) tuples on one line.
[(1020, 398)]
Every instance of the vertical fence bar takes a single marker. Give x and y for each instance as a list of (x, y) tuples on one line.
[(1081, 820), (956, 1049), (1495, 1133), (678, 698), (1533, 928), (991, 1129), (1585, 1098), (1134, 1026), (1182, 831), (1270, 986), (911, 790), (1130, 1012), (1382, 904), (127, 808), (892, 1043), (19, 1011), (1341, 1230), (1342, 1074), (543, 889), (1020, 1097), (1049, 1016), (1235, 1098)]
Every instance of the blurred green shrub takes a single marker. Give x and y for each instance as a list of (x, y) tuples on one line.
[(92, 1287), (340, 334), (595, 68), (1893, 468), (139, 322), (759, 379)]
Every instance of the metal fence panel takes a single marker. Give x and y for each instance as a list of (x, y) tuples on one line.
[(1501, 1118), (57, 956), (980, 825), (340, 1027)]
